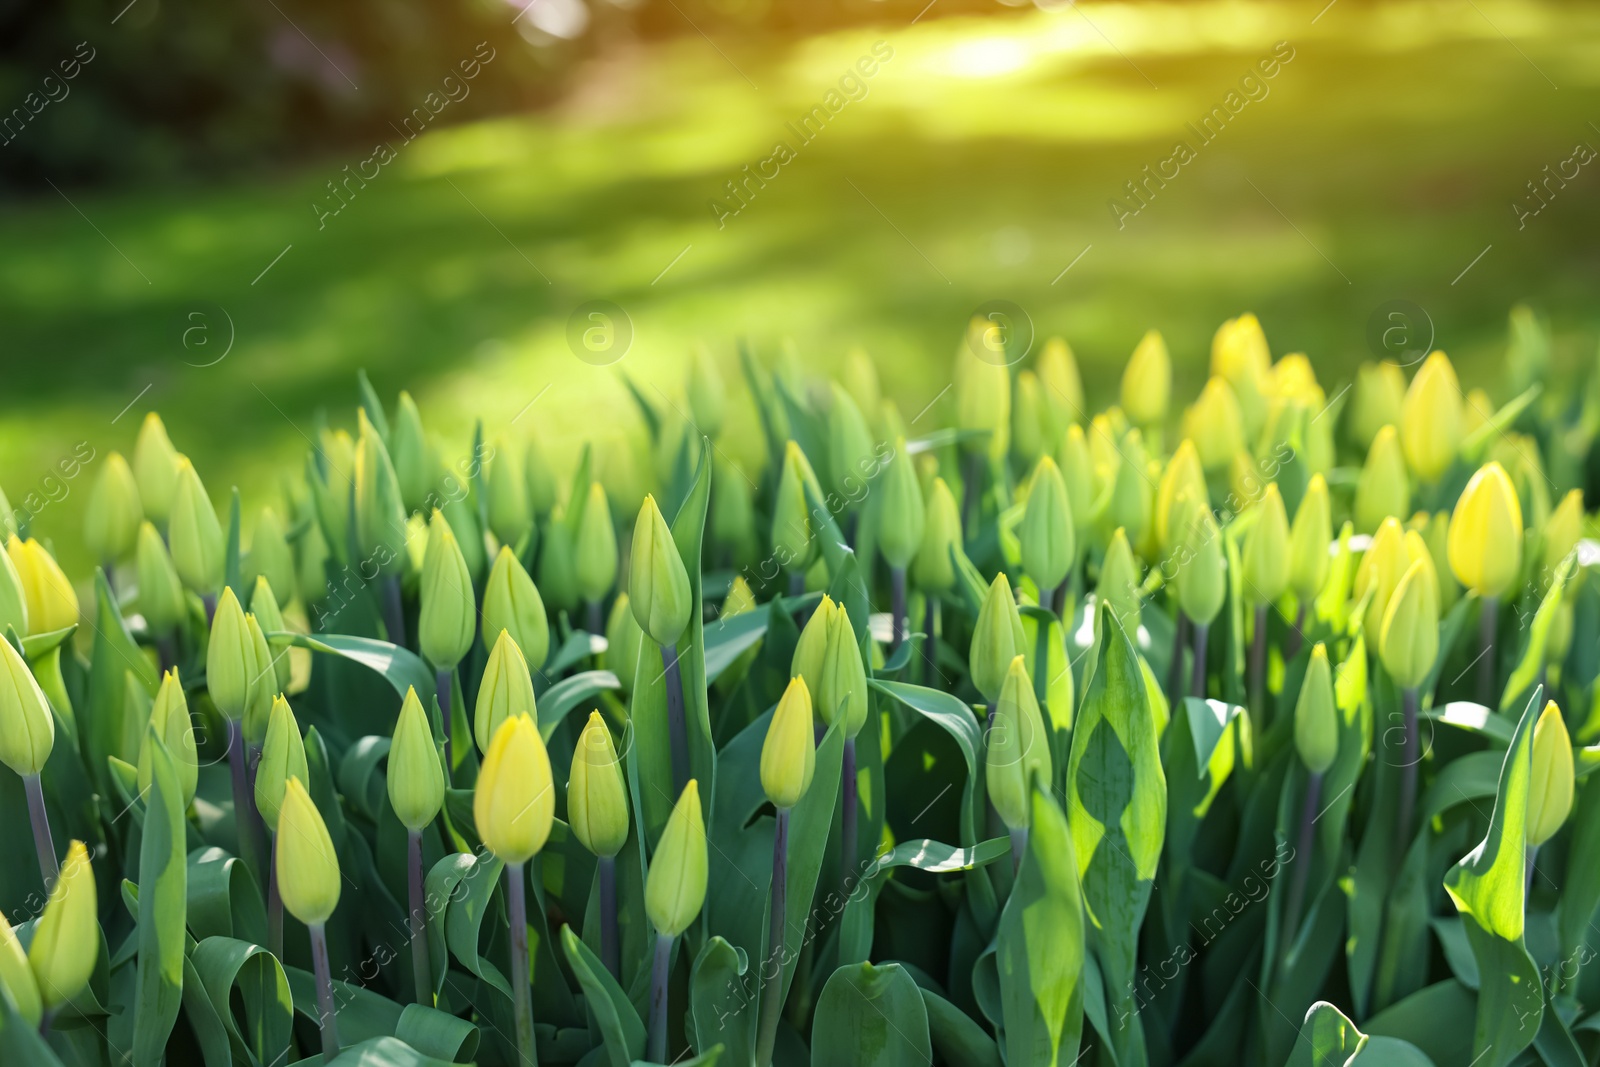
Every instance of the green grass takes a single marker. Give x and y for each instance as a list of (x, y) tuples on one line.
[(979, 166)]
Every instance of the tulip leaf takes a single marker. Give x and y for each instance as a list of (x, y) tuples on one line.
[(688, 533), (870, 1016), (20, 1041), (36, 645), (1526, 673), (116, 656), (956, 1037), (723, 997), (463, 920), (620, 1026), (1416, 1020), (163, 873), (400, 667), (1473, 718), (1327, 1039), (938, 858), (223, 898), (729, 637), (228, 969), (576, 648), (379, 1052), (956, 718), (568, 694), (1474, 444), (373, 406)]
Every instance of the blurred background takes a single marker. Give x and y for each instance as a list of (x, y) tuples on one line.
[(222, 212)]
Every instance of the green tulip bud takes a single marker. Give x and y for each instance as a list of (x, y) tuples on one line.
[(557, 584), (1047, 531), (1381, 489), (448, 613), (155, 468), (510, 514), (416, 465), (596, 566), (733, 522), (860, 378), (270, 556), (194, 533), (308, 866), (52, 602), (842, 691), (1430, 419), (230, 657), (850, 455), (1266, 550), (66, 939), (511, 603), (1550, 786), (169, 720), (624, 643), (1409, 637), (27, 729), (1019, 748), (597, 796), (1316, 719), (113, 513), (900, 517), (514, 804), (1147, 381), (263, 683), (793, 541), (1485, 538), (161, 596), (1029, 420), (13, 598), (1559, 639), (1215, 425), (17, 983), (706, 392), (416, 773), (269, 619), (1129, 504), (1309, 540), (1376, 401), (1384, 563), (982, 385), (675, 887), (1184, 475), (1201, 576), (283, 756), (380, 517), (933, 570), (1561, 532), (788, 755), (996, 639), (505, 692), (658, 584), (1119, 581), (1063, 386), (310, 562), (540, 478), (1077, 473), (812, 648)]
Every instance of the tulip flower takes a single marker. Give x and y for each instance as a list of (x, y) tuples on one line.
[(982, 387), (1430, 419), (1485, 552), (1551, 783), (511, 603), (1382, 566), (1309, 539), (416, 793), (1265, 576), (14, 599), (155, 468), (51, 600), (17, 982), (996, 640), (1077, 473), (788, 760), (624, 643), (1408, 642), (113, 513), (510, 514), (1047, 534), (659, 592), (1240, 356), (597, 810), (1062, 385), (169, 716), (860, 378), (1200, 581), (674, 893), (1215, 425), (793, 540), (812, 648), (270, 556), (416, 467), (263, 686), (380, 521), (1184, 475), (1118, 585), (1376, 400), (1029, 420), (27, 737), (900, 522), (66, 939), (1316, 740), (540, 478), (595, 567), (505, 692), (283, 757), (1018, 754), (264, 606), (1147, 381), (161, 594), (933, 570), (310, 889), (195, 535), (706, 392), (1561, 533), (1381, 488), (1129, 503)]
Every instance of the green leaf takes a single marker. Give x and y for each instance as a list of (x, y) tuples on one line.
[(1416, 1020), (728, 638), (569, 693), (956, 718), (36, 645), (437, 1033), (227, 969), (938, 858), (1476, 443), (463, 921), (1474, 719), (870, 1016), (723, 996), (400, 667), (164, 887), (115, 658), (620, 1026), (1327, 1039), (1526, 673), (223, 899), (957, 1039), (378, 1052), (688, 533)]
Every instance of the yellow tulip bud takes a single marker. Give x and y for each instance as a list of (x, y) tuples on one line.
[(1200, 576), (1409, 638), (1562, 531), (1184, 473), (13, 598), (447, 617), (66, 940), (1316, 718), (1550, 786), (788, 755), (52, 602), (1266, 550), (1029, 419), (308, 866), (283, 756), (1485, 538), (1215, 425), (263, 683), (1077, 473), (1047, 531), (1476, 410), (1063, 385), (1382, 566), (1119, 581), (514, 804), (512, 604), (842, 692), (996, 639), (658, 583), (900, 515), (194, 533), (982, 387), (1239, 354), (675, 887), (1558, 641), (1147, 381), (506, 691), (113, 513), (27, 728), (1430, 418), (597, 795), (933, 570), (1309, 541), (812, 648), (1381, 488), (270, 556), (1019, 748), (264, 606), (510, 514), (1376, 400), (860, 379), (169, 716), (155, 467), (793, 540), (1293, 377), (416, 771), (16, 977), (230, 657), (596, 550)]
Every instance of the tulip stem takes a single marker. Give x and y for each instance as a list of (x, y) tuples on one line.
[(394, 615), (247, 822), (422, 972), (778, 928), (443, 686), (43, 843), (1409, 757), (209, 600), (970, 477), (596, 621), (1488, 626), (1180, 639), (521, 991), (1302, 857), (1019, 846), (274, 906), (610, 937), (1527, 884), (847, 817), (897, 605), (327, 1015), (677, 726), (1197, 680), (1258, 665), (658, 998), (1295, 636), (930, 647), (167, 652)]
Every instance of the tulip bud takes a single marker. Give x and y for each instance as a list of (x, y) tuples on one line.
[(155, 468), (1030, 433), (263, 683), (792, 537), (1381, 488), (308, 866), (13, 598), (1266, 550), (1147, 381), (195, 534), (169, 717), (17, 983), (860, 379), (1409, 637), (270, 556), (624, 643), (812, 648), (1063, 386), (416, 467), (1562, 531), (788, 755), (675, 887), (112, 516), (597, 796), (506, 691), (658, 584), (269, 619), (27, 729), (1558, 640), (850, 455), (933, 571), (1019, 748), (1244, 481), (1382, 566), (1200, 577), (1485, 539), (1519, 455), (1550, 786), (515, 800), (1129, 503), (1215, 425), (511, 603), (230, 657), (161, 595), (1293, 377), (900, 515), (996, 639), (380, 517), (447, 617), (706, 392), (1119, 581), (311, 563), (283, 756), (1183, 476), (1430, 419), (1239, 354), (557, 585), (1476, 410), (416, 774), (1047, 531), (1376, 400), (540, 479), (1316, 719), (982, 385), (66, 939), (842, 691), (1077, 473), (596, 565), (1309, 541), (52, 603), (733, 522)]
